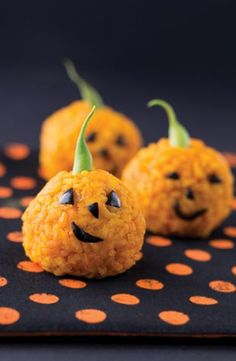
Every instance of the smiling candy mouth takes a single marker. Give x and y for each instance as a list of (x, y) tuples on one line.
[(187, 217), (83, 236)]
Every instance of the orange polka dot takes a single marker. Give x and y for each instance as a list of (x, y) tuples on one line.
[(125, 299), (44, 298), (29, 266), (198, 255), (150, 284), (25, 201), (24, 183), (2, 170), (174, 318), (234, 204), (233, 270), (8, 315), (179, 269), (3, 281), (10, 213), (17, 151), (5, 192), (91, 316), (159, 241), (222, 286), (71, 283), (15, 236), (202, 300), (230, 231), (222, 244)]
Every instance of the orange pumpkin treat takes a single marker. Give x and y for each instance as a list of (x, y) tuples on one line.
[(85, 222), (184, 187), (113, 139)]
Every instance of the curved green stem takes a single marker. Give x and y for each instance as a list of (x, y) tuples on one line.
[(83, 158), (86, 90), (178, 135)]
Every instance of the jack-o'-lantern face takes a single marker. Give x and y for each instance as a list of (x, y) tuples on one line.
[(182, 191), (183, 187), (113, 138), (84, 222), (106, 204)]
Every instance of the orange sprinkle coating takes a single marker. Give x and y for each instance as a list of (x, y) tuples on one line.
[(49, 239), (63, 127), (164, 201)]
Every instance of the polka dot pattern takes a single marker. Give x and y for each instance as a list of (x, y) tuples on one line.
[(15, 236), (222, 286), (125, 299), (72, 283), (174, 318), (17, 151), (150, 284), (202, 300), (159, 241), (91, 316), (222, 244), (179, 269), (175, 289), (3, 281), (8, 316), (10, 213), (44, 298), (198, 255), (23, 183), (29, 266), (5, 192)]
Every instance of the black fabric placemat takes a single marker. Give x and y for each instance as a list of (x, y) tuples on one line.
[(183, 273)]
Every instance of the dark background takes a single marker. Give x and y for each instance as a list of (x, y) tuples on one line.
[(131, 51)]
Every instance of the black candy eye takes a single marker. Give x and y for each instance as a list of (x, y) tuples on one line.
[(173, 175), (67, 197), (214, 179), (113, 200), (91, 137), (94, 210), (120, 141)]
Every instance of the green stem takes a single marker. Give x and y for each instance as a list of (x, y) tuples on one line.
[(178, 135), (86, 90), (83, 158)]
